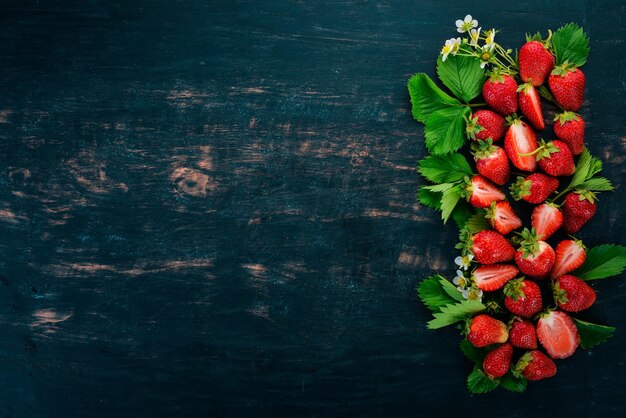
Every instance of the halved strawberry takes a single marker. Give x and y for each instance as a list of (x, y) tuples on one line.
[(502, 217), (480, 192), (558, 334), (521, 139), (570, 254), (546, 220), (493, 277), (530, 105)]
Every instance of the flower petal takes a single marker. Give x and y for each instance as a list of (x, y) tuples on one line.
[(459, 23), (468, 18)]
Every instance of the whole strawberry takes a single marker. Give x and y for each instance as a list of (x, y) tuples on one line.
[(535, 63), (480, 192), (491, 161), (535, 188), (555, 158), (502, 217), (522, 334), (485, 330), (485, 124), (573, 294), (530, 105), (546, 220), (570, 254), (568, 86), (534, 258), (520, 143), (498, 361), (578, 208), (500, 93), (534, 365), (558, 334), (523, 297), (570, 128), (493, 276), (489, 247)]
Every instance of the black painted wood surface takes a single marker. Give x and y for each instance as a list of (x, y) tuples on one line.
[(207, 208)]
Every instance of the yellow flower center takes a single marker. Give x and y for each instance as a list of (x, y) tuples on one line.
[(485, 56)]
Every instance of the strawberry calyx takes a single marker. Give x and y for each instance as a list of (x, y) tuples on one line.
[(560, 295), (545, 149), (529, 243), (513, 119), (514, 288), (522, 363), (465, 243), (563, 69), (473, 127), (525, 88), (493, 307), (490, 213), (521, 188), (566, 117), (537, 37), (496, 76), (584, 194), (483, 149)]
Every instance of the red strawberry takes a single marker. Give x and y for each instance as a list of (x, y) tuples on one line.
[(568, 86), (498, 361), (570, 254), (534, 258), (502, 217), (485, 330), (500, 93), (522, 334), (557, 334), (534, 365), (489, 247), (493, 277), (535, 62), (555, 158), (573, 294), (485, 124), (578, 208), (546, 220), (521, 139), (480, 192), (530, 105), (535, 188), (570, 128), (491, 161), (522, 297)]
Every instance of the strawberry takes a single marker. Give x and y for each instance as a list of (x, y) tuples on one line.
[(546, 220), (578, 208), (521, 139), (522, 334), (535, 188), (570, 254), (499, 92), (493, 277), (485, 330), (489, 247), (573, 294), (485, 124), (530, 105), (491, 161), (480, 192), (534, 258), (498, 361), (535, 62), (534, 365), (557, 334), (568, 86), (555, 158), (502, 217), (570, 128), (522, 297)]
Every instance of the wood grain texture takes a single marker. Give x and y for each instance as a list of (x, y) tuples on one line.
[(208, 209)]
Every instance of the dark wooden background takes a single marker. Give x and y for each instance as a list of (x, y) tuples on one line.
[(207, 208)]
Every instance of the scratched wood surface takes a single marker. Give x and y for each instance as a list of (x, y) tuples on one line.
[(208, 209)]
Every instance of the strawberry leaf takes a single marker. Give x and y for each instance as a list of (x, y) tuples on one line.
[(427, 98), (448, 202), (473, 353), (603, 261), (432, 293), (462, 75), (453, 313), (439, 187), (477, 222), (461, 214), (445, 130), (444, 168), (587, 167), (430, 198), (479, 382), (592, 335), (513, 383), (571, 44), (596, 184)]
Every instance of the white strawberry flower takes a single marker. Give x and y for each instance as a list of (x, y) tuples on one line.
[(474, 36), (473, 293), (466, 24), (451, 47), (464, 262), (486, 54), (490, 39), (460, 281)]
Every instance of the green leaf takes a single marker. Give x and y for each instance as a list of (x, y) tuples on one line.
[(453, 313), (587, 167), (433, 295), (444, 168), (427, 98), (513, 383), (448, 202), (477, 222), (439, 187), (473, 354), (571, 44), (596, 184), (462, 75), (461, 214), (479, 382), (430, 198), (592, 335), (603, 261), (450, 289), (445, 130)]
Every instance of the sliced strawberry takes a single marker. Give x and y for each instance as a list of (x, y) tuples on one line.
[(558, 334), (530, 105), (481, 192), (546, 219), (520, 142), (502, 217), (570, 254), (493, 277)]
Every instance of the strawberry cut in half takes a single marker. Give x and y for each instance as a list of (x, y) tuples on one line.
[(530, 105), (570, 254), (502, 217), (491, 161), (558, 334), (573, 294), (546, 220), (493, 277), (520, 143), (480, 192)]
